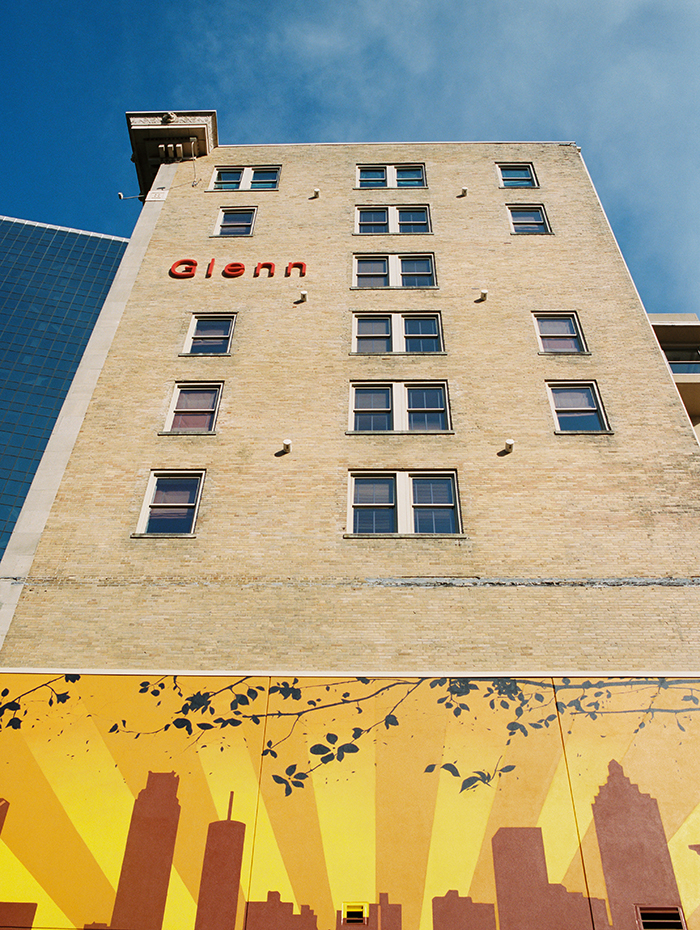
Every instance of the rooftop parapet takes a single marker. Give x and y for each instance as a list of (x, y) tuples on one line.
[(157, 137)]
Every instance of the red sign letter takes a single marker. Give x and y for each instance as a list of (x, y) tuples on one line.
[(188, 266), (270, 269), (300, 265), (233, 270)]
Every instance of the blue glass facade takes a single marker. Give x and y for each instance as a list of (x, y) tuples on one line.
[(53, 282)]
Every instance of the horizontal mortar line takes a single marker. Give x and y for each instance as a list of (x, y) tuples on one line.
[(397, 582), (477, 582)]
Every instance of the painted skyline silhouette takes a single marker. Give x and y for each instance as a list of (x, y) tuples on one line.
[(634, 854)]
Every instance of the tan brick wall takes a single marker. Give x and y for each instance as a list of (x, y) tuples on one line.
[(270, 581)]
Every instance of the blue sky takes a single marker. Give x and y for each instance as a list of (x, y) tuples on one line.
[(619, 77)]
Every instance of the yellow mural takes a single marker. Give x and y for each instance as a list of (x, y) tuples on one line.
[(132, 802)]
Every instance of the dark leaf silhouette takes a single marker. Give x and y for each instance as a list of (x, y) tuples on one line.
[(468, 783)]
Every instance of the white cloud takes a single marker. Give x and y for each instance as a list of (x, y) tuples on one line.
[(619, 77)]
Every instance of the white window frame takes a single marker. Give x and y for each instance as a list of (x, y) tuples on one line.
[(390, 176), (399, 407), (394, 270), (247, 175), (393, 213), (154, 477), (574, 385), (546, 231), (404, 505), (397, 331), (560, 315), (187, 350), (517, 164), (198, 386), (220, 219)]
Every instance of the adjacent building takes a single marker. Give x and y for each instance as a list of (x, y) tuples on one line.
[(679, 338), (53, 282)]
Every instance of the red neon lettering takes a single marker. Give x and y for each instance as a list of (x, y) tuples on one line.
[(233, 270), (270, 269), (188, 266), (300, 265), (210, 268)]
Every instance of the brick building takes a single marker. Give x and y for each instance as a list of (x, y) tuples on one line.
[(380, 407)]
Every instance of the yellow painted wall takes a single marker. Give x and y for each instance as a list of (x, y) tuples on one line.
[(430, 771)]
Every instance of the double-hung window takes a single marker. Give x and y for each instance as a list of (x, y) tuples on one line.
[(528, 219), (394, 271), (378, 334), (405, 220), (171, 503), (391, 176), (404, 502), (560, 333), (246, 179), (209, 335), (518, 175), (194, 408), (577, 407), (399, 407), (235, 222)]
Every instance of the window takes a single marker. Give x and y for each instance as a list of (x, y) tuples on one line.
[(235, 222), (528, 219), (405, 503), (391, 176), (355, 913), (374, 220), (577, 408), (559, 332), (683, 359), (518, 175), (661, 918), (394, 271), (399, 407), (194, 408), (209, 335), (245, 179), (378, 334), (170, 506)]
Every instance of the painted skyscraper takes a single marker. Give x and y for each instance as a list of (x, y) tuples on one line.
[(217, 902), (633, 849), (148, 857)]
